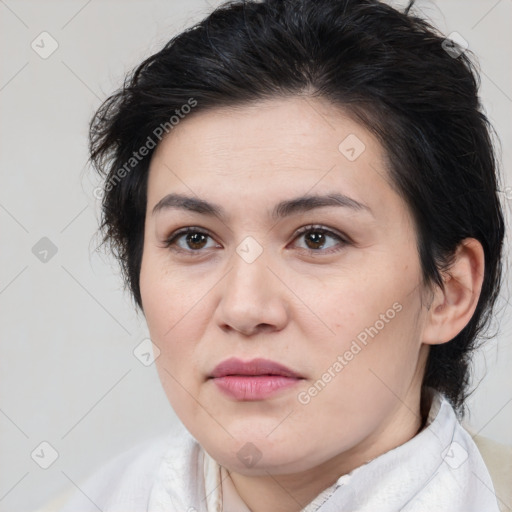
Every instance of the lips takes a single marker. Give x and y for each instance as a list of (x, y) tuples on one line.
[(255, 367), (258, 379)]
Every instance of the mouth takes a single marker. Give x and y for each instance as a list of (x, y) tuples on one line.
[(253, 380)]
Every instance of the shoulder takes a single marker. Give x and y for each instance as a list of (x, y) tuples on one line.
[(498, 459), (127, 477), (460, 466)]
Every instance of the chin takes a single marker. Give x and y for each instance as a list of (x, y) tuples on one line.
[(254, 455)]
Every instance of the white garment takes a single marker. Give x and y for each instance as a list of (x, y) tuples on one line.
[(440, 469)]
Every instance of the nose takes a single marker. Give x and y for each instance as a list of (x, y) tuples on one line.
[(253, 298)]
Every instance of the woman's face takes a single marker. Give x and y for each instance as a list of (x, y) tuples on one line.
[(328, 287)]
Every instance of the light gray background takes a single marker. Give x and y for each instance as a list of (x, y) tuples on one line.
[(68, 374)]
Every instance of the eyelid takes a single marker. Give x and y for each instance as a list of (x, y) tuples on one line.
[(323, 229)]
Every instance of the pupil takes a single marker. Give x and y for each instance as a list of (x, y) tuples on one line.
[(316, 238)]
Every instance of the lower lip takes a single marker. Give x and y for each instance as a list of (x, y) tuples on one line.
[(254, 387)]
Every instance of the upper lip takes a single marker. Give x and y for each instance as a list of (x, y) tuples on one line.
[(234, 366)]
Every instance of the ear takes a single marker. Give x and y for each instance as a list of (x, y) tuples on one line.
[(452, 308)]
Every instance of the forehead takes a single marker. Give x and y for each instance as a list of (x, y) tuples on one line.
[(293, 144), (291, 132), (267, 128)]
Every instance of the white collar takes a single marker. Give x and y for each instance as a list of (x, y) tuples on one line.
[(439, 469)]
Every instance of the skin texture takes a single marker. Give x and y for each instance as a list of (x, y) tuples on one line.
[(302, 302)]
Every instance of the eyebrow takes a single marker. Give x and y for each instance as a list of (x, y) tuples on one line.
[(281, 210)]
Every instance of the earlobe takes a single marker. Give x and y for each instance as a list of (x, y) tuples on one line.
[(452, 307)]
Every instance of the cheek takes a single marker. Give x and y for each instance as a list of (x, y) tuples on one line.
[(350, 305), (373, 324), (169, 298), (176, 310), (175, 326)]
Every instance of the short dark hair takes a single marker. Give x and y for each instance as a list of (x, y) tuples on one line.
[(390, 70)]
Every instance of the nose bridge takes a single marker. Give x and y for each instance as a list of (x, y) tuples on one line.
[(249, 277), (251, 295)]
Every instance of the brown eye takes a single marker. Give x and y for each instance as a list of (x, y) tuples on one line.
[(315, 240), (190, 240), (196, 240), (318, 239)]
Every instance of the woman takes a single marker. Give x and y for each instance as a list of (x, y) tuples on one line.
[(303, 199)]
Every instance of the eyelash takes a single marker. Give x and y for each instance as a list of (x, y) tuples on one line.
[(343, 241)]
